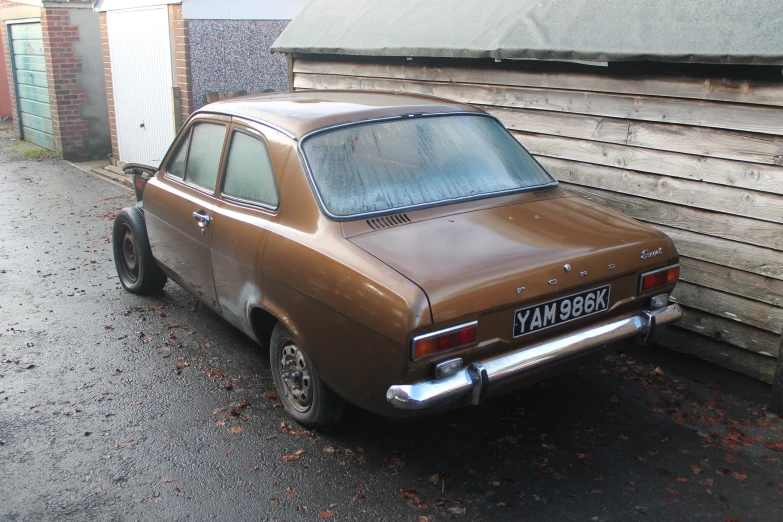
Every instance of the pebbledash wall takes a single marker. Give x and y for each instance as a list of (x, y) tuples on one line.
[(230, 56), (230, 45), (74, 72)]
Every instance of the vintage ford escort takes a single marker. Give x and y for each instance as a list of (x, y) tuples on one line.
[(402, 253)]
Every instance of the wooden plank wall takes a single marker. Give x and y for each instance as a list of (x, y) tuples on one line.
[(699, 158)]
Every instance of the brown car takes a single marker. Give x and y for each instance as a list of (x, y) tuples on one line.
[(401, 253)]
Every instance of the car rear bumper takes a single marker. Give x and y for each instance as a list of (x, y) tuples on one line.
[(474, 381)]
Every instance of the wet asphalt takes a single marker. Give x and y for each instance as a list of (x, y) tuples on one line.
[(119, 407)]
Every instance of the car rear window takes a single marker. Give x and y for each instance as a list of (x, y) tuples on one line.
[(249, 176), (418, 161)]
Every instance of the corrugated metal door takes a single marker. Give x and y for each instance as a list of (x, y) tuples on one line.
[(142, 80), (32, 88)]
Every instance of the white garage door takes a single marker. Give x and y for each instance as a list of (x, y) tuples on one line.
[(142, 80)]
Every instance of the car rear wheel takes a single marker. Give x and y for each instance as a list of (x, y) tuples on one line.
[(298, 385), (138, 271)]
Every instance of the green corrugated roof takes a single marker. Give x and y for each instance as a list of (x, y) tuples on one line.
[(705, 31)]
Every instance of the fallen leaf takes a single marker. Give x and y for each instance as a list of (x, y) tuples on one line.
[(696, 470), (173, 325), (300, 452), (289, 457), (290, 492), (326, 514), (235, 429), (166, 479), (775, 446), (671, 491), (682, 479), (434, 479), (640, 509), (707, 482)]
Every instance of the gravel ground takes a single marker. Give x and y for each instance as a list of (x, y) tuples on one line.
[(119, 407)]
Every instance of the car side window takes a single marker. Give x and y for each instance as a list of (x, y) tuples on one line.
[(204, 158), (176, 166), (249, 175)]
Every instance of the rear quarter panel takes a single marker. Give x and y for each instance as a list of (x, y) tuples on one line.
[(351, 312)]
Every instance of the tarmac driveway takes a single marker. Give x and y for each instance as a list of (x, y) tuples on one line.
[(118, 407)]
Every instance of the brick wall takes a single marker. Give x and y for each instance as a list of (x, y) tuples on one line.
[(180, 33), (65, 96), (115, 146), (9, 69)]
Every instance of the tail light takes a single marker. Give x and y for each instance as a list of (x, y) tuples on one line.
[(139, 181), (443, 340), (660, 277)]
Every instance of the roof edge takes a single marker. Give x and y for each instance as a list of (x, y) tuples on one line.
[(533, 54)]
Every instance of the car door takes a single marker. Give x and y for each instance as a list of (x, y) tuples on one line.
[(178, 204), (244, 211)]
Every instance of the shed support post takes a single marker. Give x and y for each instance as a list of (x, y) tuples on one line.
[(777, 383), (289, 58)]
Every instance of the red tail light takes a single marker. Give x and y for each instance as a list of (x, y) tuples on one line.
[(442, 340), (139, 182), (660, 277)]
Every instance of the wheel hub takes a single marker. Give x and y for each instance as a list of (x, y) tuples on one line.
[(130, 256), (296, 377)]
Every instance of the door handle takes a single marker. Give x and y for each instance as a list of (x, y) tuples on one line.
[(203, 220)]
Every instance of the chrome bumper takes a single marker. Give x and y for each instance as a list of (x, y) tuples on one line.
[(474, 380)]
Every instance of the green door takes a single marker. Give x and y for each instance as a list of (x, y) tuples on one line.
[(32, 88)]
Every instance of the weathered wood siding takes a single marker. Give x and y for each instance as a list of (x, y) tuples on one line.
[(699, 158)]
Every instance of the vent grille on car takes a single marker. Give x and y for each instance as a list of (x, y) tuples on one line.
[(388, 221), (549, 194)]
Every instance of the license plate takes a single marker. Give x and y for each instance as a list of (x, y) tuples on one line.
[(559, 311)]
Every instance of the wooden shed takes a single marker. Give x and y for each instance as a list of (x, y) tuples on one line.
[(670, 112)]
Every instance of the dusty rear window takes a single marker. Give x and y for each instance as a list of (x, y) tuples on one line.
[(396, 164)]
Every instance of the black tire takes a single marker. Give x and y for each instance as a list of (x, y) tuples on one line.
[(313, 405), (139, 272)]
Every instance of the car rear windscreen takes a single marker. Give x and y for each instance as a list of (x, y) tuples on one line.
[(417, 161)]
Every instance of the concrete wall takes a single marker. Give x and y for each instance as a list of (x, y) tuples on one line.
[(233, 55), (95, 109), (242, 9)]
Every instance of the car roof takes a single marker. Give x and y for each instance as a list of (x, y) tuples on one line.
[(297, 113)]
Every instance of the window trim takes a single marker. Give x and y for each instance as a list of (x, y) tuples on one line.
[(398, 210), (234, 199)]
